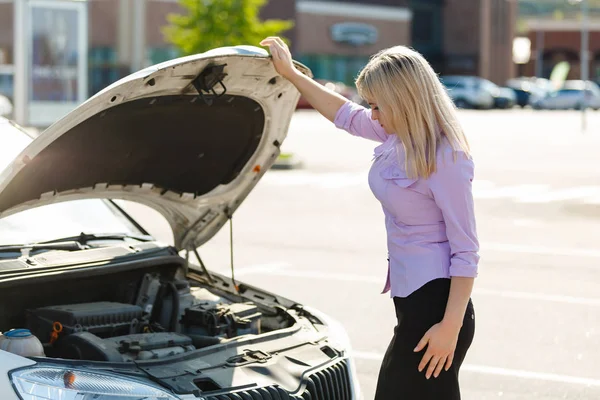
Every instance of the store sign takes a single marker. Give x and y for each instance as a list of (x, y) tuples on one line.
[(354, 33)]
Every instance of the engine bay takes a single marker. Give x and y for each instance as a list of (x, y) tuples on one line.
[(137, 315)]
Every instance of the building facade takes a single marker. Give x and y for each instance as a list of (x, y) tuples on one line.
[(335, 38), (556, 41)]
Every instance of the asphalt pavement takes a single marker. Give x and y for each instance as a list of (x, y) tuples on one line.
[(316, 235)]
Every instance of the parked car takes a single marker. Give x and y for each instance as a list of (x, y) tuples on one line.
[(505, 98), (93, 306), (526, 92), (470, 91), (338, 87), (573, 95), (6, 107)]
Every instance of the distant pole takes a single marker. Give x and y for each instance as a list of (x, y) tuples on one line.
[(539, 44), (20, 72), (138, 61), (584, 58)]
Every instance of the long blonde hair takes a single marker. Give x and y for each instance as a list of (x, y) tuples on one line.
[(409, 92)]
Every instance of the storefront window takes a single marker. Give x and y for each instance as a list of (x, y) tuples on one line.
[(162, 54), (427, 30), (423, 26), (6, 80), (103, 68), (334, 67)]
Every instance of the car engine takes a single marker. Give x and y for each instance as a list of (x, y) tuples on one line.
[(168, 318)]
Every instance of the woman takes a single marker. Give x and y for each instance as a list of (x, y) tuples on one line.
[(422, 175)]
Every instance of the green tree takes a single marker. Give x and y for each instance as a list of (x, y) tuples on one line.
[(207, 24)]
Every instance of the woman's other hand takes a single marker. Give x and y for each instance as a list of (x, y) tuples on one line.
[(441, 341)]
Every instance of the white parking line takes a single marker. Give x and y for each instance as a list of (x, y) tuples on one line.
[(513, 373), (344, 277), (538, 296), (543, 250), (532, 193)]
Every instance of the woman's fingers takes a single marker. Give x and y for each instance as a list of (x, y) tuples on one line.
[(274, 51), (449, 361), (281, 42), (280, 54), (432, 366), (425, 360), (439, 367)]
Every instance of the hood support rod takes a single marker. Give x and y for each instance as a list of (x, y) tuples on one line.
[(230, 217)]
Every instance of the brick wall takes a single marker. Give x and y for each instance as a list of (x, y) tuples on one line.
[(282, 9), (6, 31), (502, 27), (555, 45), (103, 23), (478, 37), (461, 26)]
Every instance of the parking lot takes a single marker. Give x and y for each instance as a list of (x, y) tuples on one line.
[(316, 235)]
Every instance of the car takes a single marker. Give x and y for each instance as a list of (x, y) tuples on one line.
[(526, 92), (6, 107), (470, 91), (93, 306), (338, 87), (505, 98), (572, 95)]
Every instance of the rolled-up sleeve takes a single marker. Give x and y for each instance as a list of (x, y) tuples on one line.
[(356, 119), (451, 186)]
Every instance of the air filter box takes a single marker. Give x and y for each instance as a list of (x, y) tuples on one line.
[(104, 319)]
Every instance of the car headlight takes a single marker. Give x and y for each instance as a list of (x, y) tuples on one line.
[(37, 383)]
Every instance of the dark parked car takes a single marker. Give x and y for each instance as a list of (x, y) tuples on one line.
[(526, 92)]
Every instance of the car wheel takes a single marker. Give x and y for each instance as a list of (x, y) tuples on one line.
[(462, 103)]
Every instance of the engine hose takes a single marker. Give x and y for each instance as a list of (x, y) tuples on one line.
[(158, 304), (200, 341), (175, 306)]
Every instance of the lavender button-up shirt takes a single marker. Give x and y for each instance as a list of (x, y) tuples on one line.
[(430, 223)]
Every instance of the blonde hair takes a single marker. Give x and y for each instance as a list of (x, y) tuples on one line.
[(405, 88)]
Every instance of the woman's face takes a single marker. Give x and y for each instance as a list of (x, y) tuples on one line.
[(379, 116)]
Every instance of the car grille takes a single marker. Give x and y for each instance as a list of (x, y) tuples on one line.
[(330, 383)]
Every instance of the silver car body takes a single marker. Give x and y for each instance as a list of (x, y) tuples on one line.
[(570, 96)]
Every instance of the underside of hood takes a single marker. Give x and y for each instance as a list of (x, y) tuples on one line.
[(189, 138)]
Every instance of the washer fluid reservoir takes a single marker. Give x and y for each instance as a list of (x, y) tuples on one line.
[(21, 342)]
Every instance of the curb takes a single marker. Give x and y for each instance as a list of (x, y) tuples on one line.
[(287, 161)]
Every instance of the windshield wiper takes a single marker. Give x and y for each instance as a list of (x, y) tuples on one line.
[(84, 238), (63, 245), (72, 243)]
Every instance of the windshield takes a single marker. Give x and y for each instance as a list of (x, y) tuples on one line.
[(62, 220)]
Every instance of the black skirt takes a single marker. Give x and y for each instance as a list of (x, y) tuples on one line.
[(399, 377)]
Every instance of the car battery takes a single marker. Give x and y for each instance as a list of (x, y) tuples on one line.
[(222, 320)]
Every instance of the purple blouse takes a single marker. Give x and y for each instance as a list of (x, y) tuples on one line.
[(430, 223)]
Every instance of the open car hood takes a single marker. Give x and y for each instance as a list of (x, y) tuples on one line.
[(189, 137)]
